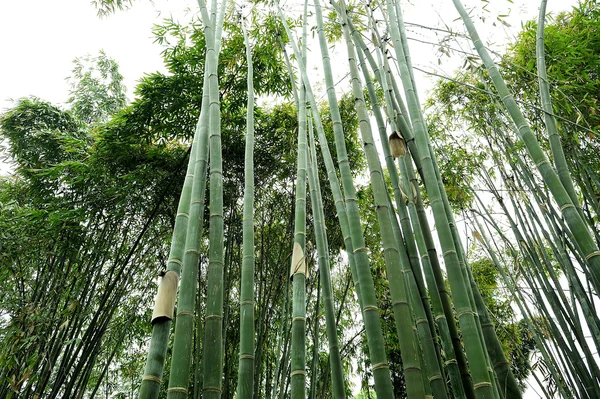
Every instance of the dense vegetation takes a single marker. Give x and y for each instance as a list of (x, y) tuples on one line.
[(289, 261)]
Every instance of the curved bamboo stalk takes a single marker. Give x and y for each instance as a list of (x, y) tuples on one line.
[(581, 233), (558, 155)]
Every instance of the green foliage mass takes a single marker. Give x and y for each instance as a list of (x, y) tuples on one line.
[(94, 191)]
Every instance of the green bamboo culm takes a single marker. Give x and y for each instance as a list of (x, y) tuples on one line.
[(335, 360), (327, 159), (298, 265), (161, 326), (184, 324), (425, 325), (409, 260), (364, 280), (315, 350), (558, 155), (298, 270), (429, 255), (474, 346), (579, 229), (402, 312), (245, 386), (213, 339)]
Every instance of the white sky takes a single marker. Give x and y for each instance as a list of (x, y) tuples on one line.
[(40, 38)]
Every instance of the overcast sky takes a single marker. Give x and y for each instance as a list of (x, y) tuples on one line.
[(39, 39)]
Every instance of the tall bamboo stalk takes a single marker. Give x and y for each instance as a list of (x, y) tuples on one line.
[(184, 324), (335, 360), (213, 339), (195, 176), (417, 296), (315, 351), (245, 387), (460, 288), (402, 312), (364, 281), (298, 269), (558, 155)]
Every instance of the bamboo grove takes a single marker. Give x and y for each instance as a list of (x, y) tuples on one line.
[(363, 222)]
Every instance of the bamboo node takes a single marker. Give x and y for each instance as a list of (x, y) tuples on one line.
[(435, 377), (190, 251), (173, 260), (299, 318), (412, 368), (213, 316), (440, 317), (246, 356), (362, 249), (152, 378), (543, 161), (482, 384), (249, 302), (421, 321), (382, 365), (367, 308), (178, 389), (451, 361), (185, 312), (298, 372), (399, 303), (211, 389), (183, 214), (590, 256), (463, 312), (450, 251), (565, 206)]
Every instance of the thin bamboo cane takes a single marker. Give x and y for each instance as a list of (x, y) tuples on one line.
[(366, 292), (245, 387), (460, 288), (558, 155), (298, 270), (578, 227), (335, 360)]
